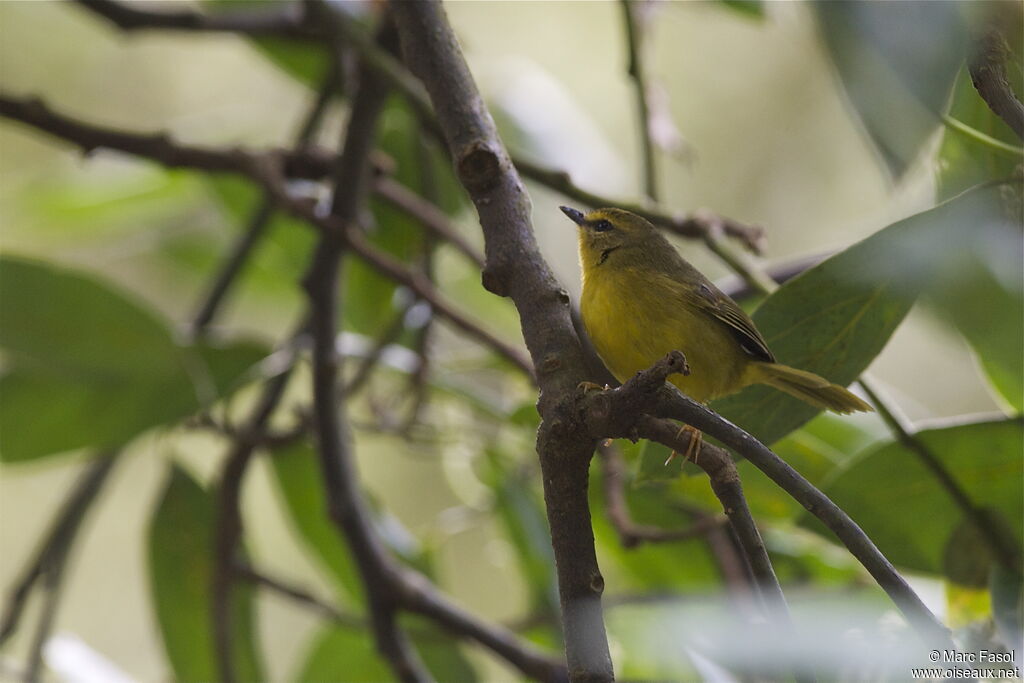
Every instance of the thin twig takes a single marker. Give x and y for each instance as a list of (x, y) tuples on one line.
[(269, 169), (56, 544), (635, 69), (427, 214), (617, 413), (725, 482), (1002, 548), (246, 243), (228, 524), (285, 22), (301, 596), (630, 533), (345, 503)]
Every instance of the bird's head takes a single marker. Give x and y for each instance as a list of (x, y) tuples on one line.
[(607, 234)]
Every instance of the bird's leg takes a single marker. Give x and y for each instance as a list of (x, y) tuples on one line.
[(586, 387), (692, 448)]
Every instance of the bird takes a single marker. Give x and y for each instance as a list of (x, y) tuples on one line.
[(641, 300)]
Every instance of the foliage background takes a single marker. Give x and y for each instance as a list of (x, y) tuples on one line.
[(770, 139)]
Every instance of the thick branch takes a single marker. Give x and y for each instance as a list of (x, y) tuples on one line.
[(516, 269)]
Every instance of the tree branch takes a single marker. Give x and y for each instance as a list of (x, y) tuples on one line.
[(270, 169), (1003, 549), (228, 522), (56, 545), (630, 533), (618, 413), (515, 268), (635, 69), (246, 243), (345, 503), (287, 22), (988, 74)]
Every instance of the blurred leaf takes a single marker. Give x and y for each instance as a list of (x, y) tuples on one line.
[(650, 464), (902, 507), (1007, 590), (897, 62), (836, 317), (338, 653), (967, 558), (982, 296), (440, 652), (297, 475), (305, 61), (521, 511), (965, 161), (277, 263), (180, 543), (110, 362), (652, 566), (749, 8), (71, 323)]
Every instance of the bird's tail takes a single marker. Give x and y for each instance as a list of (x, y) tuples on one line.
[(809, 387)]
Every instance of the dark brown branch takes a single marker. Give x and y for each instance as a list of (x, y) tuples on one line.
[(516, 269), (228, 525), (617, 413), (269, 169), (56, 544), (247, 242), (301, 596), (635, 68), (988, 74), (1003, 548), (160, 147), (428, 215), (695, 225), (632, 534), (287, 22), (345, 503)]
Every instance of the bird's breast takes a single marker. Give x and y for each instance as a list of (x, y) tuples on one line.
[(634, 320)]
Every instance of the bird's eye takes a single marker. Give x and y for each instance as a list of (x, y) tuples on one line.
[(601, 225)]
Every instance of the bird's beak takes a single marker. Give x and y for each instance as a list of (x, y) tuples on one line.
[(574, 215)]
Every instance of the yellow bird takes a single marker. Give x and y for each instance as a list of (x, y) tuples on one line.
[(641, 300)]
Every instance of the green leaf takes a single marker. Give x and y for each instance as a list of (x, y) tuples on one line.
[(749, 8), (297, 475), (521, 511), (901, 505), (441, 653), (306, 61), (965, 161), (1007, 590), (88, 366), (650, 459), (897, 62), (836, 317), (338, 653), (67, 322), (179, 547)]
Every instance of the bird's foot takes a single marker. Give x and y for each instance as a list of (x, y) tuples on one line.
[(692, 448)]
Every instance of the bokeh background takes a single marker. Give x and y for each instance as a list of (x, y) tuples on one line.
[(768, 137)]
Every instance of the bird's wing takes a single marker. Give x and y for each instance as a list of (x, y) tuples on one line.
[(721, 307)]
